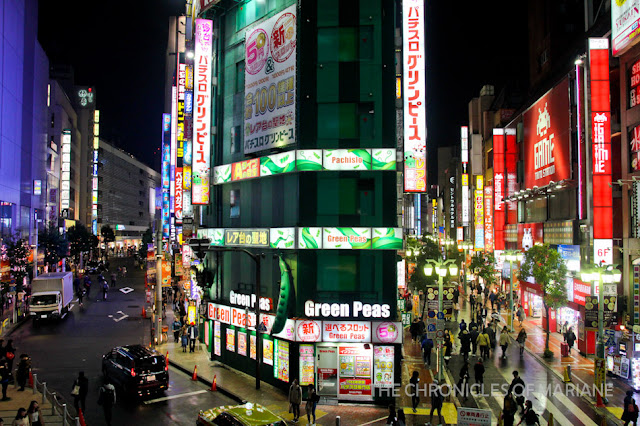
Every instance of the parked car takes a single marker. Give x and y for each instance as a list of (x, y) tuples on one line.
[(248, 414), (137, 369)]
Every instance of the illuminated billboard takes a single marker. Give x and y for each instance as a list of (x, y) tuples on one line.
[(625, 19), (270, 83), (547, 138), (201, 161), (165, 178), (478, 208), (65, 175), (464, 155), (601, 134), (415, 101), (499, 213)]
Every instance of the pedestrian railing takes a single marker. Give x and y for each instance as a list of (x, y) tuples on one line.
[(58, 406)]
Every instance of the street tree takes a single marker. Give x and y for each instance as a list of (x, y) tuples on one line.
[(80, 241), (17, 251), (108, 236), (147, 238), (54, 245), (548, 269), (483, 265)]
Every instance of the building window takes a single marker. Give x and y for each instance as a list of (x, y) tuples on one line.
[(235, 139), (234, 203), (240, 77), (6, 215)]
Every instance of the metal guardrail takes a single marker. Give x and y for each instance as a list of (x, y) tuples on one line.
[(58, 408)]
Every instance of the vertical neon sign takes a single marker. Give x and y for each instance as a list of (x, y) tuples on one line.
[(166, 180), (498, 188), (94, 194), (464, 155), (601, 144), (414, 74), (478, 208), (201, 162)]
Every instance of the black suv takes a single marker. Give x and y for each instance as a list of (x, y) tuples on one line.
[(137, 369)]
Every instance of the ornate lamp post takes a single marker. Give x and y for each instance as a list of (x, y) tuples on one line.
[(511, 256)]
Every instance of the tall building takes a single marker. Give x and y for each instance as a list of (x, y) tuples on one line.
[(23, 121), (303, 176), (127, 195)]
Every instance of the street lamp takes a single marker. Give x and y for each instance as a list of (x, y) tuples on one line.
[(601, 274), (465, 246), (511, 256), (441, 268)]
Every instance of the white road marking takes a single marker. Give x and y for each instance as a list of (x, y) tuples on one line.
[(574, 409), (182, 395), (375, 421), (557, 414), (122, 317), (126, 290)]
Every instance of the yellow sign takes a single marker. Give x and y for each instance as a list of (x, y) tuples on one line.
[(191, 315), (246, 237), (479, 182), (465, 179), (166, 273), (600, 374)]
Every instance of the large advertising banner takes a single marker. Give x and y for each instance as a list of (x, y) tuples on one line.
[(269, 83), (511, 161), (415, 101), (478, 208), (499, 208), (166, 180), (601, 134), (547, 138), (625, 19), (488, 218), (201, 161)]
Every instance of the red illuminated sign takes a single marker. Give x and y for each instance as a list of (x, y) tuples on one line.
[(511, 157), (601, 134), (547, 138), (247, 169), (498, 188), (634, 85)]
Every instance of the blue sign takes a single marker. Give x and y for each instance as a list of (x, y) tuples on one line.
[(440, 315), (571, 255), (431, 314), (431, 328), (188, 102), (479, 243)]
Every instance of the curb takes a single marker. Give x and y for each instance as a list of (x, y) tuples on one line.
[(9, 330), (208, 382)]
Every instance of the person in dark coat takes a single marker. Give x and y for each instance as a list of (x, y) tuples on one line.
[(193, 336), (79, 400), (413, 329), (630, 413), (10, 353), (422, 328), (570, 338), (473, 338), (427, 347), (478, 370), (24, 367), (463, 383), (517, 387), (465, 344), (415, 399), (4, 377)]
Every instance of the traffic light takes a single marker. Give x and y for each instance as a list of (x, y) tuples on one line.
[(199, 246)]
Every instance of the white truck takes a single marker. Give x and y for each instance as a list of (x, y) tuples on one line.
[(51, 295)]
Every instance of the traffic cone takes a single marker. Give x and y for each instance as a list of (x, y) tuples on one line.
[(566, 379), (144, 312), (81, 417), (599, 402), (30, 379), (550, 422), (194, 376), (214, 386)]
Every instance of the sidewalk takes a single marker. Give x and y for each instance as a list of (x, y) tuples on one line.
[(242, 387), (8, 409)]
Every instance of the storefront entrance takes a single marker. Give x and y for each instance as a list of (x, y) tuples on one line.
[(327, 361)]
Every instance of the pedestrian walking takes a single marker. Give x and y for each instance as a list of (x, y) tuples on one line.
[(427, 347), (392, 418), (436, 401), (113, 279), (563, 330), (21, 418), (509, 410), (474, 340), (478, 370), (87, 285), (415, 399), (10, 353), (517, 387), (413, 329), (630, 413), (79, 391), (105, 289), (520, 315), (184, 337), (483, 343), (462, 325), (24, 367), (295, 399), (401, 419), (177, 326), (193, 335), (463, 382), (456, 311), (5, 373), (521, 339), (465, 344), (35, 417), (456, 295), (107, 399), (312, 402), (570, 338), (80, 294), (422, 328), (530, 417), (504, 341)]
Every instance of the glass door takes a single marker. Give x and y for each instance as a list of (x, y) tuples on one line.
[(327, 368)]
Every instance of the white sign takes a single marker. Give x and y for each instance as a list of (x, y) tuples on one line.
[(346, 331), (347, 159), (473, 417), (345, 310), (625, 18), (345, 238), (308, 331), (269, 83), (401, 274), (201, 164), (387, 332), (415, 100), (603, 251), (249, 301), (65, 175)]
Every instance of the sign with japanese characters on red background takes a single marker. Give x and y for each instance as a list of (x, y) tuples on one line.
[(547, 138), (270, 82)]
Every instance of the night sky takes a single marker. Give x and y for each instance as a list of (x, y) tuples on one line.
[(119, 48)]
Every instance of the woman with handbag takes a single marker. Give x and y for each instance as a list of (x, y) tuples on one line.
[(79, 391), (11, 353)]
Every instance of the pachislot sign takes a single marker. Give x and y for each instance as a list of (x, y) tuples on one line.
[(269, 83), (414, 76), (356, 331), (547, 138), (202, 117)]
